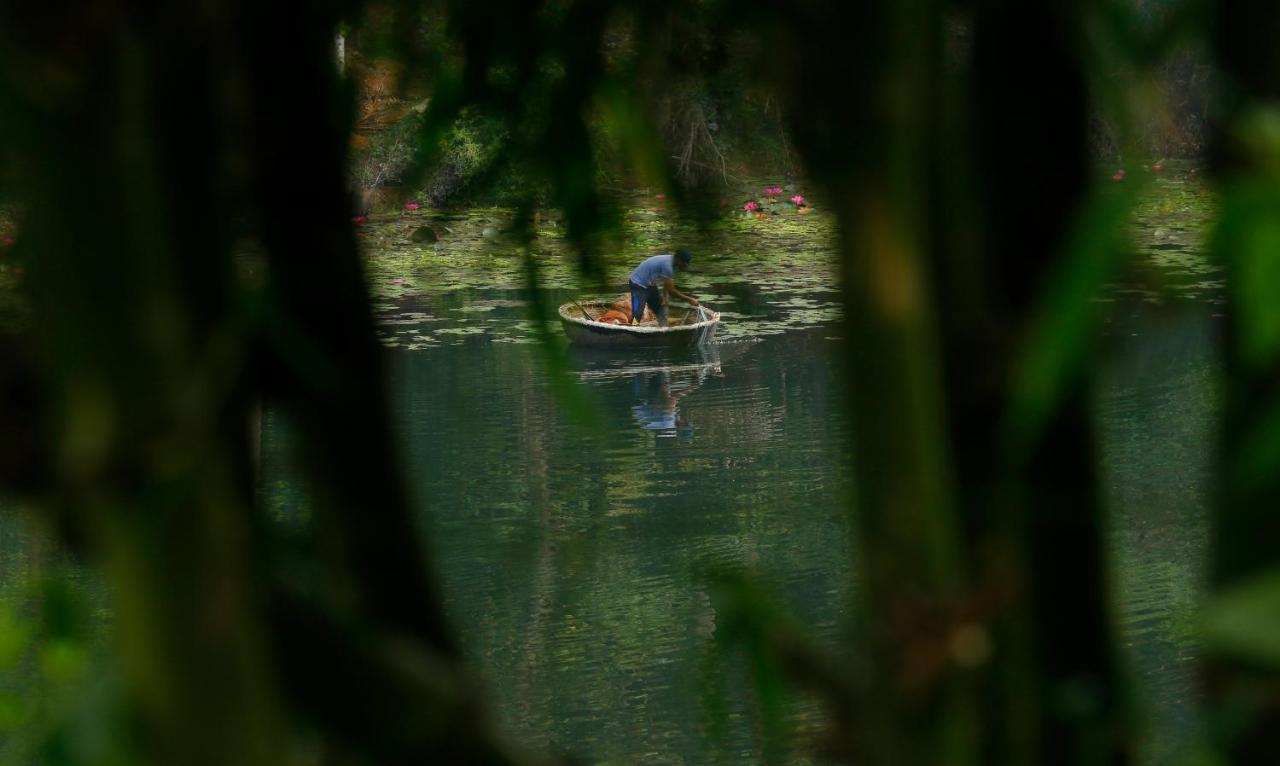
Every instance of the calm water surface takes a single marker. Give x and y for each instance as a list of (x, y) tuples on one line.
[(575, 560), (578, 558), (1157, 407)]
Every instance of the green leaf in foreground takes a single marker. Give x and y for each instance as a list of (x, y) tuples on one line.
[(553, 354), (1248, 239), (1244, 621), (1058, 342)]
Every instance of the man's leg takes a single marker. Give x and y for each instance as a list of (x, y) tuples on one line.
[(654, 298), (638, 296)]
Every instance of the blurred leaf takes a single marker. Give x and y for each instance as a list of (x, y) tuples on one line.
[(1202, 756), (1248, 240), (1244, 620), (1258, 457), (640, 142), (1063, 327), (554, 355), (1259, 131), (715, 702), (63, 660), (748, 617), (13, 711), (15, 637), (63, 610)]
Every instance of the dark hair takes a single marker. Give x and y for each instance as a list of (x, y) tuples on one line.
[(684, 255)]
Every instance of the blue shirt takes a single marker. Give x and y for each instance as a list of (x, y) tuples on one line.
[(655, 416), (653, 271)]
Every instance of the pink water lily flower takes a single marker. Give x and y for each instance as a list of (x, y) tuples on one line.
[(411, 206), (798, 201), (750, 206), (659, 196), (1119, 176)]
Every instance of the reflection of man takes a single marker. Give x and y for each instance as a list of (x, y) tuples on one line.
[(656, 407), (656, 416), (653, 284)]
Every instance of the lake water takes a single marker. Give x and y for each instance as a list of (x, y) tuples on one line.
[(579, 553), (1157, 408), (574, 559), (579, 559)]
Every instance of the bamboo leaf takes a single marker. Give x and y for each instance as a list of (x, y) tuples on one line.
[(1244, 621), (1248, 239), (554, 354), (1062, 329)]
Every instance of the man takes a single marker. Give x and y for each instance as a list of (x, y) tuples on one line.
[(653, 284)]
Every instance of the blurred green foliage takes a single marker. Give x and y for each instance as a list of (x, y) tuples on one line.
[(132, 389), (60, 696)]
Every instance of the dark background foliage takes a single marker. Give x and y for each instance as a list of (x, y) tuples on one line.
[(159, 319)]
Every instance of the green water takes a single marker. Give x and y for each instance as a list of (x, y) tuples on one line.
[(571, 558), (1157, 407), (576, 560), (575, 563)]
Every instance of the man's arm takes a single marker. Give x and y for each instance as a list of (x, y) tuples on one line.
[(670, 286)]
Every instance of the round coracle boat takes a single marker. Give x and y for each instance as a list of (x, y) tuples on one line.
[(686, 327)]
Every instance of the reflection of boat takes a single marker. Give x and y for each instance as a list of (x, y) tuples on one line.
[(701, 361), (691, 328), (659, 380)]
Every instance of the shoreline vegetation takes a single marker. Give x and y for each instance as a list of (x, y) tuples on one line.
[(717, 131)]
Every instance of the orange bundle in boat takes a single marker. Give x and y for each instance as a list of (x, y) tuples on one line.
[(613, 316)]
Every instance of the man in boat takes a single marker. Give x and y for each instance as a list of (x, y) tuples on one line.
[(653, 283)]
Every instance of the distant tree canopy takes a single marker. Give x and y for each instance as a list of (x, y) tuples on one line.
[(130, 391), (705, 81)]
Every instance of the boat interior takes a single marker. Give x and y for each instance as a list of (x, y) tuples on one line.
[(617, 313)]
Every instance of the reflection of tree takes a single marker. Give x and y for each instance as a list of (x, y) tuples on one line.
[(587, 616)]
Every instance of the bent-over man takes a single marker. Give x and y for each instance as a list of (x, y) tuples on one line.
[(653, 283)]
